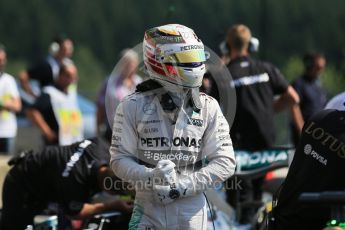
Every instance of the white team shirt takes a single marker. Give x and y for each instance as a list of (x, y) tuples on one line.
[(8, 90)]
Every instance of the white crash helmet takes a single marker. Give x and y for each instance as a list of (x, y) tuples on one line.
[(174, 55)]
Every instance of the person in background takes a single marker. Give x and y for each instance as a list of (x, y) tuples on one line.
[(66, 175), (257, 83), (47, 70), (313, 97), (9, 104), (122, 82), (56, 112)]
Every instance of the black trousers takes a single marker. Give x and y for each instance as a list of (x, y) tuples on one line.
[(19, 206), (5, 145)]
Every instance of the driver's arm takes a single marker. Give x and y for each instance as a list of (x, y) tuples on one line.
[(123, 148), (36, 117), (218, 150), (290, 100), (286, 100)]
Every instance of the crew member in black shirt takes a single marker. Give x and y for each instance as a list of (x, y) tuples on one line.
[(47, 70), (67, 175), (256, 83), (318, 165)]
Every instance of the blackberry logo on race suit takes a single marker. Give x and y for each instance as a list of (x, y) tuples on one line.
[(179, 157)]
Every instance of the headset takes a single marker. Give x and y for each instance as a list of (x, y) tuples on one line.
[(55, 46), (253, 46)]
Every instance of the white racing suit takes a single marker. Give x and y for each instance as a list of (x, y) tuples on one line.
[(144, 133)]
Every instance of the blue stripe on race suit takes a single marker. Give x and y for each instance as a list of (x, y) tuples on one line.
[(137, 214)]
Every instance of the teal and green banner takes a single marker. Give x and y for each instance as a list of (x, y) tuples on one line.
[(247, 160)]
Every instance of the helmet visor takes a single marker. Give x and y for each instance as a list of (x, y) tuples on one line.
[(189, 56)]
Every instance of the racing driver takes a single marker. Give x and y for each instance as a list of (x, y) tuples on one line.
[(170, 141)]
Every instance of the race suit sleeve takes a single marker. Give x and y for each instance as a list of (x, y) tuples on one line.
[(123, 149), (217, 147)]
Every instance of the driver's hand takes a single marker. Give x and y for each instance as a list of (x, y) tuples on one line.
[(164, 172)]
